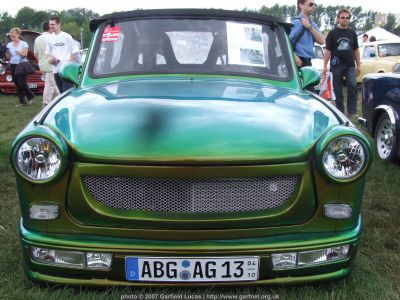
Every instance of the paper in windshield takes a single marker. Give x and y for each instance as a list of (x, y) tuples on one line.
[(245, 44)]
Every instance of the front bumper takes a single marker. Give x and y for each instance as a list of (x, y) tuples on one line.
[(122, 248), (10, 88)]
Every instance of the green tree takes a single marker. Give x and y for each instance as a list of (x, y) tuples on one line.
[(318, 15), (23, 18), (81, 18), (330, 16), (390, 23), (78, 15), (397, 30), (356, 17), (367, 20), (39, 17), (72, 28), (6, 23)]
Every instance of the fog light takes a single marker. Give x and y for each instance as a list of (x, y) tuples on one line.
[(312, 257), (338, 211), (9, 78), (322, 255), (284, 260), (340, 252), (98, 260), (281, 261), (43, 212), (58, 257)]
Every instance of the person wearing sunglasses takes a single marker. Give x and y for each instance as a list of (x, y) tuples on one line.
[(344, 55), (304, 33)]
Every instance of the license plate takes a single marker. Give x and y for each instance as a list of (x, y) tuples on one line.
[(192, 269), (32, 85)]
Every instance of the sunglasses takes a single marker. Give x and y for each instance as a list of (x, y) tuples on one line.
[(311, 4), (347, 18)]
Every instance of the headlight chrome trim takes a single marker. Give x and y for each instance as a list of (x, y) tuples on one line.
[(359, 150), (40, 158)]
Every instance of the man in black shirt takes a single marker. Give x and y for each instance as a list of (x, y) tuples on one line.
[(342, 50)]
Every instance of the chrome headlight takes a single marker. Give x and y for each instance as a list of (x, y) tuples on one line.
[(396, 68), (344, 157), (38, 159), (343, 154), (9, 78), (2, 70)]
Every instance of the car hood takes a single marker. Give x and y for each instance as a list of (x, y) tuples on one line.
[(189, 121)]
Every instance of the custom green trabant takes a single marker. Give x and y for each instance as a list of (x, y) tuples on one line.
[(189, 153)]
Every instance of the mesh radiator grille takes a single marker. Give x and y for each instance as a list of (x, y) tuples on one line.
[(192, 195)]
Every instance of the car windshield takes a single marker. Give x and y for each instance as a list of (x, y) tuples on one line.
[(389, 49), (191, 46)]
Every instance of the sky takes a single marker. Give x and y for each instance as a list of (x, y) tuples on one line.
[(105, 6)]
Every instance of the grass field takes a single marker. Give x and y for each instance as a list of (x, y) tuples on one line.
[(375, 276)]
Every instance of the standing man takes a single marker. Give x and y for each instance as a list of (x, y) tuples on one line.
[(60, 48), (304, 33), (342, 50), (50, 87)]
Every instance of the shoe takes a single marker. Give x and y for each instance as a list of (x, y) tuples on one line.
[(31, 97)]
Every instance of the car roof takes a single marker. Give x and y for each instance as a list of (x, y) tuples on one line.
[(381, 42), (192, 13)]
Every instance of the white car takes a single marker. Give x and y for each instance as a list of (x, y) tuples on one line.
[(318, 61)]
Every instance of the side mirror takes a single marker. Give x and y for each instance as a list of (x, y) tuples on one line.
[(310, 76), (71, 72)]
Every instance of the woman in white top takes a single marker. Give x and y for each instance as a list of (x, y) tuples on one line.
[(17, 51)]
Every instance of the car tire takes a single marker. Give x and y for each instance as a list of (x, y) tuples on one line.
[(385, 139)]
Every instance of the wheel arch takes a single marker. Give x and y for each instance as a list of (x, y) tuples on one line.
[(381, 109), (394, 119)]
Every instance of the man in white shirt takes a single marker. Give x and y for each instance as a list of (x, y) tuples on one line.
[(60, 48), (50, 87)]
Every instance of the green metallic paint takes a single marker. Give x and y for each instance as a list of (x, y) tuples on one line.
[(310, 76), (121, 248), (189, 126), (328, 193), (71, 72), (73, 219), (35, 130), (38, 277), (156, 120), (335, 132), (279, 242), (86, 210)]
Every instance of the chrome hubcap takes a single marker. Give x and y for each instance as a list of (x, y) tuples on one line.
[(384, 139)]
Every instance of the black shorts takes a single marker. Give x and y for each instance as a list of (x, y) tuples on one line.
[(305, 62)]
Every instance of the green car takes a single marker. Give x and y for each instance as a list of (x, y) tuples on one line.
[(189, 154)]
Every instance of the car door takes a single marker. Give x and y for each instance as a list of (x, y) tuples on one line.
[(368, 54)]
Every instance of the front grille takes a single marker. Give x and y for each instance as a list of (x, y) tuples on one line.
[(34, 78), (192, 195)]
